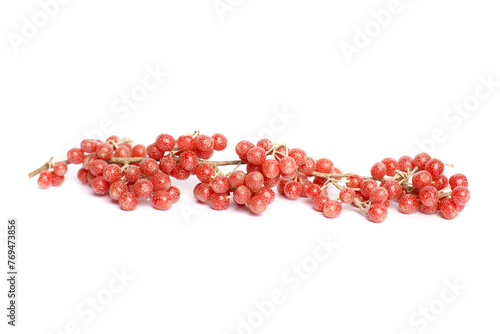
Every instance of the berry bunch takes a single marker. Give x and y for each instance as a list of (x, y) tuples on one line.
[(129, 172)]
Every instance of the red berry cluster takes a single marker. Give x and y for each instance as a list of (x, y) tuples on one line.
[(128, 172)]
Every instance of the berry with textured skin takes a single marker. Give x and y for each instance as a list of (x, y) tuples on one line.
[(312, 190), (117, 188), (45, 179), (100, 185), (112, 173), (219, 201), (332, 209), (394, 189), (60, 168), (254, 181), (408, 203), (87, 160), (264, 143), (299, 155), (88, 145), (154, 152), (267, 195), (270, 168), (421, 160), (242, 194), (175, 193), (458, 180), (90, 177), (220, 141), (143, 188), (391, 166), (104, 151), (128, 201), (180, 173), (82, 175), (167, 164), (287, 165), (406, 163), (292, 189), (448, 208), (132, 174), (162, 200), (204, 172), (186, 143), (421, 179), (203, 191), (204, 154), (378, 170), (97, 167), (460, 195), (75, 156), (165, 142), (242, 149), (257, 204), (139, 151), (237, 178), (204, 142), (441, 182), (256, 155), (272, 182), (149, 166), (324, 165), (435, 167), (220, 184), (160, 181), (377, 213), (428, 209), (188, 160), (429, 196), (347, 195), (367, 186), (319, 202), (308, 166), (354, 181), (123, 152), (379, 195)]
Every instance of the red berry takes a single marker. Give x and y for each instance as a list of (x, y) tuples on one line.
[(313, 190), (100, 185), (60, 168), (220, 141), (270, 168), (128, 201), (394, 189), (75, 156), (391, 166), (347, 195), (272, 182), (292, 189), (448, 208), (97, 167), (421, 179), (185, 143), (203, 191), (117, 188), (257, 204), (460, 195), (167, 164), (139, 151), (160, 181), (242, 194), (378, 170), (154, 152), (379, 195), (175, 193), (354, 181), (188, 160), (219, 201), (254, 181), (367, 186), (162, 200), (45, 179), (287, 165), (429, 196), (112, 173), (148, 166), (165, 142), (143, 188), (458, 180), (180, 173), (204, 154), (324, 166), (428, 209), (204, 143), (441, 182), (264, 143), (82, 175), (123, 152), (104, 151), (88, 145), (87, 160), (406, 163), (319, 202), (236, 178), (112, 139), (220, 184), (408, 203), (332, 209), (204, 172), (256, 155), (299, 155), (267, 195), (421, 160), (435, 167), (242, 149), (132, 174), (308, 166), (377, 213)]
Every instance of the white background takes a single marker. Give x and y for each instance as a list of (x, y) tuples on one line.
[(196, 270)]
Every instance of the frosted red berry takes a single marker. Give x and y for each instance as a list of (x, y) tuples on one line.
[(143, 188), (100, 185), (421, 160), (408, 203), (242, 194), (324, 165), (88, 145), (378, 170), (117, 188), (421, 179), (82, 175), (332, 209), (458, 180), (75, 156), (406, 163), (128, 201), (449, 209), (460, 195), (367, 186), (139, 151), (391, 166), (292, 189), (394, 189), (220, 184), (112, 173), (45, 179), (204, 142), (220, 141), (379, 195), (219, 201), (429, 196), (188, 160), (186, 143), (60, 168), (256, 155), (149, 166), (104, 151), (132, 173), (162, 200), (319, 202), (97, 167), (299, 155), (435, 167), (175, 193), (257, 204), (377, 213), (154, 152), (254, 181), (267, 195), (165, 142), (347, 195), (354, 181), (160, 181), (167, 164)]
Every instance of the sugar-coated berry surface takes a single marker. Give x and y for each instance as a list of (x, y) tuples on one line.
[(408, 203), (75, 156), (378, 170), (391, 166), (332, 209), (377, 213), (257, 204), (128, 201), (219, 201), (45, 179), (117, 188), (460, 195), (162, 200), (429, 196), (60, 168), (165, 142), (421, 160)]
